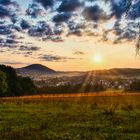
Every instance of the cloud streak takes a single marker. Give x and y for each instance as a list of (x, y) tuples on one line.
[(56, 58)]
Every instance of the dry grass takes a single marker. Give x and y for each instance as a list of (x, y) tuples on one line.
[(72, 95), (90, 117)]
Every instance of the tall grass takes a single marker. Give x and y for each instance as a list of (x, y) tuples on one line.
[(80, 118)]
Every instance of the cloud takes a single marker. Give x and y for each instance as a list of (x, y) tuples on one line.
[(134, 12), (64, 17), (94, 13), (58, 30), (128, 32), (54, 20), (118, 8), (25, 24), (28, 48), (45, 3), (41, 29), (75, 28), (53, 38), (5, 30), (11, 41), (34, 11), (69, 5), (8, 8), (76, 32), (55, 58), (8, 46), (57, 39), (4, 11), (8, 43), (79, 53), (13, 63), (6, 2)]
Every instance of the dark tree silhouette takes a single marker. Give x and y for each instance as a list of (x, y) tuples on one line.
[(16, 85), (27, 85), (12, 80), (3, 84)]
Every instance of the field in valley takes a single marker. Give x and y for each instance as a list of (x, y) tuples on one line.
[(70, 118)]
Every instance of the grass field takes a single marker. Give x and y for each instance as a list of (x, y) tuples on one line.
[(79, 118)]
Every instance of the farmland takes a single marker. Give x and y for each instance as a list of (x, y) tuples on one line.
[(70, 118)]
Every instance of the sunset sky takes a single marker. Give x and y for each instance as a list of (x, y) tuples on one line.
[(69, 34)]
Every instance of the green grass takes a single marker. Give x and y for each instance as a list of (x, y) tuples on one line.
[(87, 118)]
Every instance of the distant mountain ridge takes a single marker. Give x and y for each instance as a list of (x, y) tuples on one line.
[(36, 68), (41, 69), (119, 71)]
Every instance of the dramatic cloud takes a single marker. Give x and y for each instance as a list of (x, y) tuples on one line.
[(118, 7), (94, 13), (76, 15), (4, 11), (5, 30), (8, 8), (64, 17), (135, 10), (34, 11), (5, 2), (69, 5), (25, 24), (40, 29), (56, 20), (46, 3)]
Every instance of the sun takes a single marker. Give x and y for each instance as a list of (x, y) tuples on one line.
[(97, 58)]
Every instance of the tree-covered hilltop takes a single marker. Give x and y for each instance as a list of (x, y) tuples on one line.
[(13, 85)]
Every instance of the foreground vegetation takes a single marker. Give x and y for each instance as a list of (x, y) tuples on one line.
[(13, 85), (83, 118)]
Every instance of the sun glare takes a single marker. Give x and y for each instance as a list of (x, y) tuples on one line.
[(97, 58)]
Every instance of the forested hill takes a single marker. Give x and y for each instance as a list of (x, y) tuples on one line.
[(34, 69), (118, 72), (38, 68)]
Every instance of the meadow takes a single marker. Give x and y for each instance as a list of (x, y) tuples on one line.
[(75, 118)]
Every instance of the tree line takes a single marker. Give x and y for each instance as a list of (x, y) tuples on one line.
[(77, 88), (13, 85)]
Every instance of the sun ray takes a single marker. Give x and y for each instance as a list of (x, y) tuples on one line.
[(83, 86)]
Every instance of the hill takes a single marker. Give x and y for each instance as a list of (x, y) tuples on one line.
[(36, 68), (129, 72)]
